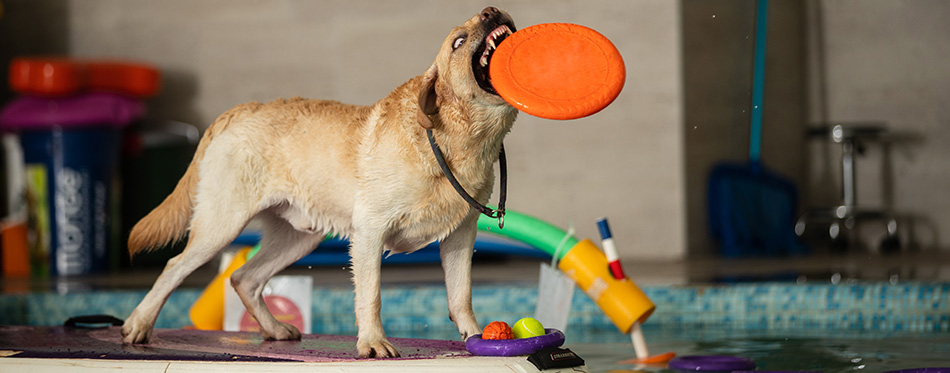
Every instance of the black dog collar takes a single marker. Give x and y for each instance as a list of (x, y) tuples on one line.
[(498, 213)]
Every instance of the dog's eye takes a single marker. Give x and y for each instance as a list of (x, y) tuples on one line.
[(458, 43)]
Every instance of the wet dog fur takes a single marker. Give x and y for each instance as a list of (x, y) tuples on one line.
[(307, 168)]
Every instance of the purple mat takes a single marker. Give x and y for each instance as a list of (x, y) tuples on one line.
[(197, 345)]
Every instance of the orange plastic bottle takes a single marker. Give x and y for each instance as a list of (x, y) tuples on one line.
[(208, 311)]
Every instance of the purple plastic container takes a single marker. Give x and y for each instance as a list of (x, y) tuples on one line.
[(70, 147)]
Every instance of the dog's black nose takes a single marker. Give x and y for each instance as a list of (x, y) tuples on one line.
[(489, 13)]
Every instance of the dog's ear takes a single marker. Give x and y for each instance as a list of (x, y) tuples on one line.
[(428, 98)]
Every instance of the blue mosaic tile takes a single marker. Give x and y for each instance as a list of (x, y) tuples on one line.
[(13, 310), (918, 307)]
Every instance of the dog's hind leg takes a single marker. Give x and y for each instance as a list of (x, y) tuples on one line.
[(366, 251), (281, 246), (211, 231), (456, 252)]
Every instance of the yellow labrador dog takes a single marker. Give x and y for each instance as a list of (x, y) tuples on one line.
[(307, 168)]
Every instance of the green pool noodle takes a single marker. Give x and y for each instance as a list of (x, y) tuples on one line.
[(530, 230), (520, 227)]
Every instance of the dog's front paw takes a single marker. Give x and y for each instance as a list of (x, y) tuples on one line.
[(136, 332), (283, 332), (468, 329), (380, 348)]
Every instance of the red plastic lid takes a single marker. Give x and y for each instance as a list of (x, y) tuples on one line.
[(557, 71), (64, 77)]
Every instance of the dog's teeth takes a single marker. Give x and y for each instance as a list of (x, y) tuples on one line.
[(491, 43), (484, 60)]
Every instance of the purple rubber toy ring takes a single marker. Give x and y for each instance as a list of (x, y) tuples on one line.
[(514, 347), (711, 363), (922, 370)]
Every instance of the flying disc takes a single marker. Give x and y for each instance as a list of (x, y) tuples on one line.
[(557, 71)]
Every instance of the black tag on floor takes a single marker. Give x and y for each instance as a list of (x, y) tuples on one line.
[(92, 322), (554, 357)]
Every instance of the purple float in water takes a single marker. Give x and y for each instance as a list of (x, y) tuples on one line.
[(711, 363)]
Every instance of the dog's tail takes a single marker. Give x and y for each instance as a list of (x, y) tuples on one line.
[(169, 222)]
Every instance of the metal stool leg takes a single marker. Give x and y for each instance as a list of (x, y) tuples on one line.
[(844, 217)]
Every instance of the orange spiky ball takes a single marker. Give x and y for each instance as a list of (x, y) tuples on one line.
[(497, 330)]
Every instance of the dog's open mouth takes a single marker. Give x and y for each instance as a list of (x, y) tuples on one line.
[(482, 57)]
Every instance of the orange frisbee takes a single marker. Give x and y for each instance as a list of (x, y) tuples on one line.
[(557, 71)]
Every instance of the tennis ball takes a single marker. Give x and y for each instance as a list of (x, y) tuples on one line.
[(527, 327)]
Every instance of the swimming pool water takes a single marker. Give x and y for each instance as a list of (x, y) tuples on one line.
[(831, 351), (816, 351)]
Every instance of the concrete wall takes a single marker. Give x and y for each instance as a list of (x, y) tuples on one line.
[(29, 28), (885, 60), (643, 162), (828, 62), (718, 37), (625, 162)]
